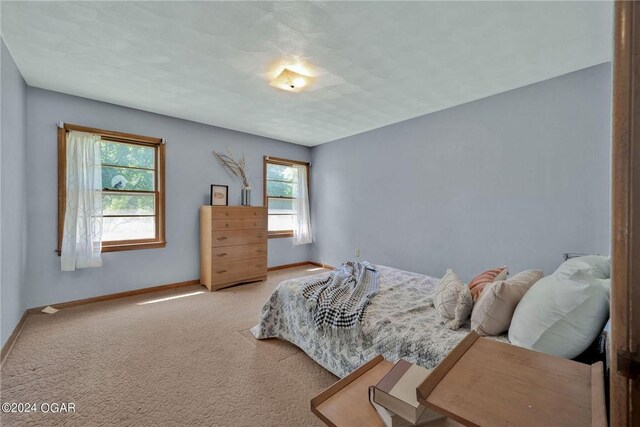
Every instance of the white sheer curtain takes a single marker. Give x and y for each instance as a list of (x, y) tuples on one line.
[(82, 236), (302, 221)]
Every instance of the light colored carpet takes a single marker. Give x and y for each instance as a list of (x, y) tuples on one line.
[(184, 361)]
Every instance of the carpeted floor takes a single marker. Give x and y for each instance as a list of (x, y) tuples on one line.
[(183, 361)]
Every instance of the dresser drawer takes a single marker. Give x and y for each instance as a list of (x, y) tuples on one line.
[(238, 212), (223, 272), (237, 237), (239, 224), (232, 253)]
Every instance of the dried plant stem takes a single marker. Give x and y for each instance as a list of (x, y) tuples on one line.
[(233, 166)]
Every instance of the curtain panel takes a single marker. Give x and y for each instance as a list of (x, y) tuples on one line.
[(82, 237), (302, 234)]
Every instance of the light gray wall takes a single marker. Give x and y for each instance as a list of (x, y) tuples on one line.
[(514, 179), (517, 178), (13, 210), (191, 169)]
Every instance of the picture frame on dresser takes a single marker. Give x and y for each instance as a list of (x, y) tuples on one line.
[(219, 195)]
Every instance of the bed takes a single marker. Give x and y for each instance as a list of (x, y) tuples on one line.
[(399, 324)]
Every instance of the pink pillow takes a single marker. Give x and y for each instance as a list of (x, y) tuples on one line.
[(477, 285)]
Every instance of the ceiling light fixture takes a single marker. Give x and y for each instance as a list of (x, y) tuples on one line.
[(291, 81)]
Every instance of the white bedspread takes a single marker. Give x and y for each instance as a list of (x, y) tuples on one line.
[(399, 324)]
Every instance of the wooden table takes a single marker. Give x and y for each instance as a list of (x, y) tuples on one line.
[(346, 403), (483, 382)]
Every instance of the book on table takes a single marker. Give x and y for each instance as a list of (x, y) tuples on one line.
[(389, 419), (396, 393)]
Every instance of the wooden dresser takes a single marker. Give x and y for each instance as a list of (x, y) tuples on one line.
[(233, 245)]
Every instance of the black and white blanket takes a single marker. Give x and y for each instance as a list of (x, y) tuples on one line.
[(342, 297)]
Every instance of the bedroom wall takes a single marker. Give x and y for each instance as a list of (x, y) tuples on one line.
[(191, 169), (13, 210), (517, 179)]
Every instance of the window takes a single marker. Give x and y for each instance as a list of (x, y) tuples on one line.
[(279, 195), (132, 189)]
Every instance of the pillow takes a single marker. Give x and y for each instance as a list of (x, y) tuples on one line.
[(591, 265), (492, 313), (452, 300), (562, 314), (480, 281)]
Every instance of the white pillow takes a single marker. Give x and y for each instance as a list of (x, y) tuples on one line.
[(595, 266), (562, 314), (452, 300)]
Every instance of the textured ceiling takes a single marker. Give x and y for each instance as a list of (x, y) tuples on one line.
[(377, 62)]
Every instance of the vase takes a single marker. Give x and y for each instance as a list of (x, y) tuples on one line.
[(246, 196)]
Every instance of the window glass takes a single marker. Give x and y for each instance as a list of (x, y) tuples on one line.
[(123, 154), (128, 204), (279, 197), (114, 178), (129, 196), (128, 228)]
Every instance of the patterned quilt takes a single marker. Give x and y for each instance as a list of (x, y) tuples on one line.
[(399, 324)]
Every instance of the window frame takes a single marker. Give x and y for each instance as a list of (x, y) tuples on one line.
[(157, 143), (283, 162)]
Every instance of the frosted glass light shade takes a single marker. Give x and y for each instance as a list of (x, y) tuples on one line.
[(291, 81)]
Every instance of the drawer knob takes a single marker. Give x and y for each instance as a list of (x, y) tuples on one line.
[(221, 238), (258, 265), (221, 271), (226, 224), (222, 254)]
